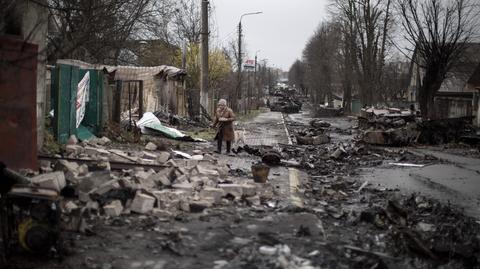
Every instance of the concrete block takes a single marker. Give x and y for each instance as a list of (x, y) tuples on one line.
[(149, 156), (92, 205), (125, 183), (70, 206), (234, 189), (151, 146), (142, 203), (45, 166), (84, 197), (170, 194), (168, 171), (161, 180), (163, 156), (161, 213), (55, 181), (197, 157), (107, 186), (67, 167), (206, 171), (147, 183), (93, 180), (82, 170), (215, 193), (223, 171), (170, 199), (184, 186), (254, 200), (199, 206), (74, 149), (249, 190), (113, 209), (185, 206), (103, 141), (140, 174)]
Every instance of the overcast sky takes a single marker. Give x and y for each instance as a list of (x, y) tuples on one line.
[(280, 33)]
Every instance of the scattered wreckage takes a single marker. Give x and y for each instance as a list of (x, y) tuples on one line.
[(395, 127)]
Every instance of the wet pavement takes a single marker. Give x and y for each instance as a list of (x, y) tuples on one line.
[(456, 181)]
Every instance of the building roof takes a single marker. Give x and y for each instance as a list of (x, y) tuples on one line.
[(131, 72)]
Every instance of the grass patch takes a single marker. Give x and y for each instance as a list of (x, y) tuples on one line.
[(50, 145), (207, 134)]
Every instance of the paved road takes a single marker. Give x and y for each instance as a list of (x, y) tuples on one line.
[(268, 129), (457, 181)]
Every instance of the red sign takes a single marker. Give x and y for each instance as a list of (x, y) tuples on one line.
[(249, 64)]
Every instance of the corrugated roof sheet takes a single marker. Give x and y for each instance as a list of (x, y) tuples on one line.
[(131, 72)]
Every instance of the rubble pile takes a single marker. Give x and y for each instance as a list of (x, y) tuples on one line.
[(316, 134), (389, 127), (428, 229), (100, 149), (341, 158), (384, 226), (184, 185), (384, 119), (395, 127), (98, 179)]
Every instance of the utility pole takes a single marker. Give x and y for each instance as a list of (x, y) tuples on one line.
[(255, 87), (204, 99), (238, 92)]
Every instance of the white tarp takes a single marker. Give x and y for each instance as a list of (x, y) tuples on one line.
[(150, 124), (82, 97)]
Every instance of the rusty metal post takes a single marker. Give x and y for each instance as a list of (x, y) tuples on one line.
[(140, 99), (117, 101)]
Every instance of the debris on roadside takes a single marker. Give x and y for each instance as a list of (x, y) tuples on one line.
[(324, 111), (396, 127)]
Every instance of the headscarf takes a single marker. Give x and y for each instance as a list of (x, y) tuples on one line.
[(222, 102)]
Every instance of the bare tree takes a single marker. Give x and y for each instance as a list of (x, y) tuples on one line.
[(296, 75), (439, 31), (365, 28), (93, 30), (344, 11), (320, 56), (396, 78)]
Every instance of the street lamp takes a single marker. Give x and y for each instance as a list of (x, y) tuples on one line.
[(239, 83), (255, 84)]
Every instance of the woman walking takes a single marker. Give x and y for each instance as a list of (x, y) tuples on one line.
[(223, 121)]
